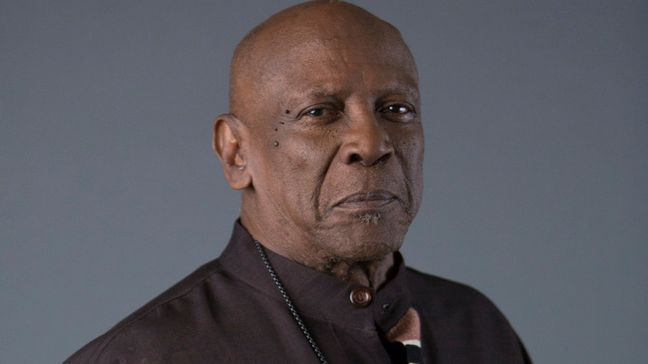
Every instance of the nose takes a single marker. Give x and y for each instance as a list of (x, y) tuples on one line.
[(366, 142)]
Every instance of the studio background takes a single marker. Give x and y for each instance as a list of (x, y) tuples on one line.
[(536, 164)]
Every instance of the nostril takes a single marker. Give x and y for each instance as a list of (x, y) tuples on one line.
[(383, 158), (353, 158)]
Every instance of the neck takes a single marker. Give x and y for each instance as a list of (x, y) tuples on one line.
[(371, 274)]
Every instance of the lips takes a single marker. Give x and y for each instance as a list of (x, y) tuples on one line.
[(367, 200)]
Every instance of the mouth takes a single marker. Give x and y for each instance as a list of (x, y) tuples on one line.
[(367, 200)]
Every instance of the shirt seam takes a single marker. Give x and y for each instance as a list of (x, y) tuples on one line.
[(318, 318), (120, 328)]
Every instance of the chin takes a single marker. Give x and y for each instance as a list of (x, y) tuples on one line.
[(368, 239), (364, 234)]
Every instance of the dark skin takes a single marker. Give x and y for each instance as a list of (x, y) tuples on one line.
[(324, 139)]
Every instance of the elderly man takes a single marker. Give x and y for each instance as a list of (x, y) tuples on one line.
[(324, 140)]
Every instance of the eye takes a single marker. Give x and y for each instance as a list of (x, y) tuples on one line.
[(320, 113), (398, 112), (398, 109), (316, 111)]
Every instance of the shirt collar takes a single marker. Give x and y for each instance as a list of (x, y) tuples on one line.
[(316, 294)]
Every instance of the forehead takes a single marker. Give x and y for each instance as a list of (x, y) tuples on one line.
[(333, 64), (319, 47)]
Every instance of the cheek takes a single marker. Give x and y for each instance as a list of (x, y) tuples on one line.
[(297, 159), (307, 153), (298, 165), (410, 149), (282, 153)]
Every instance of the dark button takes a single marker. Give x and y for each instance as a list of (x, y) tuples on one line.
[(361, 297)]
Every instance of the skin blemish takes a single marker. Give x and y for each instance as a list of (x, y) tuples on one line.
[(287, 111), (369, 218), (275, 143)]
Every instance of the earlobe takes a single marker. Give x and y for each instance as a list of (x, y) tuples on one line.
[(227, 145)]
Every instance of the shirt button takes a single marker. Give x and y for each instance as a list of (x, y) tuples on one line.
[(361, 297)]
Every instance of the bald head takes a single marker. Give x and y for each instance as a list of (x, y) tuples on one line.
[(323, 136), (311, 32)]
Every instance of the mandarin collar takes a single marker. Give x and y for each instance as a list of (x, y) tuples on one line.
[(315, 294)]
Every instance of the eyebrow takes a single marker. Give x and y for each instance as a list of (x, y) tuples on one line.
[(400, 89), (312, 93), (389, 89), (321, 91)]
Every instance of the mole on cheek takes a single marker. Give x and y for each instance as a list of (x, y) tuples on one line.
[(287, 111), (275, 143)]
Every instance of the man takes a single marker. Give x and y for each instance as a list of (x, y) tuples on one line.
[(324, 140)]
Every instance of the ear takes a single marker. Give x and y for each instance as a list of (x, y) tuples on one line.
[(226, 143)]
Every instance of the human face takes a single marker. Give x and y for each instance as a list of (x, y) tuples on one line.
[(337, 145)]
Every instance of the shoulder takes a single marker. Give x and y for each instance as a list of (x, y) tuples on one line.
[(438, 288), (156, 323), (444, 298), (463, 322)]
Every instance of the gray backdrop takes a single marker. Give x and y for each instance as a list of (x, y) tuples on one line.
[(536, 118)]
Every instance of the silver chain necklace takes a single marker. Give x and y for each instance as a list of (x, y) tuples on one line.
[(289, 303)]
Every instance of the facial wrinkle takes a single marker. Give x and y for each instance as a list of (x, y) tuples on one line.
[(409, 208), (322, 177)]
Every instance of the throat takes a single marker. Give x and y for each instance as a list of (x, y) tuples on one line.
[(369, 274)]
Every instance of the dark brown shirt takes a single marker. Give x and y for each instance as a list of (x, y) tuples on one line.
[(229, 311)]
